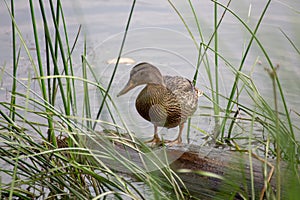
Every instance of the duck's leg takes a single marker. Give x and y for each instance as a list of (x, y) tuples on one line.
[(155, 139), (178, 140)]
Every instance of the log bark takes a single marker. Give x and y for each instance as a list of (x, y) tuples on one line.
[(233, 166), (240, 171)]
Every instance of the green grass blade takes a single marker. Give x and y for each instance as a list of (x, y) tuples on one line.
[(117, 63)]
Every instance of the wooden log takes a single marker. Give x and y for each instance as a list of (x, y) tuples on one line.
[(240, 171), (233, 166)]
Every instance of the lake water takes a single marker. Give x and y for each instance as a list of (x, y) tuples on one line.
[(158, 36)]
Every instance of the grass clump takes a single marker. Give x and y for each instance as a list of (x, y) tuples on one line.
[(278, 132), (49, 151), (49, 145)]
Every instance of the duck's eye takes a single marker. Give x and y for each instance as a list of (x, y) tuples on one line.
[(142, 73)]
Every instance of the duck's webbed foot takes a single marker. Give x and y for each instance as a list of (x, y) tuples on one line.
[(154, 140), (178, 140), (173, 142)]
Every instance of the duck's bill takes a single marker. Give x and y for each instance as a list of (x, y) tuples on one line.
[(128, 87)]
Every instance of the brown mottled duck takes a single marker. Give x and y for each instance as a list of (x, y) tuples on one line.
[(166, 101)]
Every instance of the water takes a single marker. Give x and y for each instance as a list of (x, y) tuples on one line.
[(157, 35)]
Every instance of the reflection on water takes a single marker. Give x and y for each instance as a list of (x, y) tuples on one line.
[(157, 35)]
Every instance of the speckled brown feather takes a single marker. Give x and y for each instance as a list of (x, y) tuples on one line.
[(165, 101), (168, 105)]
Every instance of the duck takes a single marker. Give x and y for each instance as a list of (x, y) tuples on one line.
[(165, 101)]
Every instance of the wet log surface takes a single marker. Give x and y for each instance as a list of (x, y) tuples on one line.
[(233, 166)]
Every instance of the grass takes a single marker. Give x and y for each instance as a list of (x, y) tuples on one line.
[(279, 126), (53, 151), (49, 148)]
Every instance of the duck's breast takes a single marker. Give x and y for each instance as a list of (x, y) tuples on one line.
[(159, 105)]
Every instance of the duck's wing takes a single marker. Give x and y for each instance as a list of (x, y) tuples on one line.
[(185, 93), (178, 84)]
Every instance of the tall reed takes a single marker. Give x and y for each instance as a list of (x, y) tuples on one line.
[(49, 150), (279, 126), (54, 151)]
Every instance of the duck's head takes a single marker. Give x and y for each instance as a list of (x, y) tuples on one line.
[(143, 73)]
